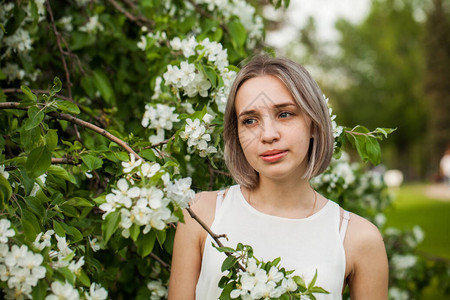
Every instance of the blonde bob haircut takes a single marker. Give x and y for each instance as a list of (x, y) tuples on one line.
[(309, 98)]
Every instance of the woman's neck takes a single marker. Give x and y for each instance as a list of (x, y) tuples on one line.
[(291, 199)]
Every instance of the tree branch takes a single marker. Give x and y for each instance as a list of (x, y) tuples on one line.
[(74, 120), (158, 259), (15, 91), (58, 42), (140, 20)]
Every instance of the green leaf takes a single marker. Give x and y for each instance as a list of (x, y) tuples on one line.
[(313, 281), (59, 230), (79, 202), (30, 138), (299, 281), (57, 85), (40, 290), (26, 90), (29, 229), (373, 150), (238, 33), (224, 249), (110, 225), (51, 139), (161, 236), (35, 117), (148, 154), (36, 206), (38, 161), (228, 263), (91, 162), (68, 275), (5, 191), (62, 173), (145, 243), (319, 290), (134, 232), (83, 278), (67, 106), (103, 85)]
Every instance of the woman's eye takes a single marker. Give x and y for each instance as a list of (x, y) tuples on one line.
[(285, 114), (249, 121)]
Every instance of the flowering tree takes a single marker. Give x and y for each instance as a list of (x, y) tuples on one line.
[(94, 176)]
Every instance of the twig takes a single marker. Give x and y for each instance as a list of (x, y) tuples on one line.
[(58, 42), (74, 120), (157, 144), (140, 20), (215, 236), (63, 161), (15, 91), (158, 259)]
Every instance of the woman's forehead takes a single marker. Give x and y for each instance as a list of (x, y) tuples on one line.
[(263, 93)]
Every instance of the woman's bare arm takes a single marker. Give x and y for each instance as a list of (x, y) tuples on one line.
[(188, 246), (366, 253)]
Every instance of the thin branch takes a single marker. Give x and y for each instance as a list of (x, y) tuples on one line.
[(215, 236), (74, 120), (58, 42), (16, 91), (140, 20), (157, 144), (64, 161), (158, 259)]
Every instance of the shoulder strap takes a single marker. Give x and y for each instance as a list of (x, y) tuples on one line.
[(344, 224), (219, 200)]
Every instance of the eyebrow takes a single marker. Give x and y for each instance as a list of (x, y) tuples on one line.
[(253, 112)]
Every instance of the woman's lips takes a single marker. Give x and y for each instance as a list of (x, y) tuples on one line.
[(273, 156)]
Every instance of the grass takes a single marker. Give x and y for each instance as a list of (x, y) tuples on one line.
[(413, 207)]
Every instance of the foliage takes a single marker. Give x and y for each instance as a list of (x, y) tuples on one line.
[(256, 279), (94, 176)]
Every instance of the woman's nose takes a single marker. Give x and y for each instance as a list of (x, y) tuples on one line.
[(269, 131)]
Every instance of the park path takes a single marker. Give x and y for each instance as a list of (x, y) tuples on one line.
[(438, 191)]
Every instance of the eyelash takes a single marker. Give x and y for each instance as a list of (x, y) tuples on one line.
[(246, 121)]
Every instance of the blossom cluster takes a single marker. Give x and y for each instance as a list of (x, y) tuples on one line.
[(192, 81), (257, 283), (146, 205), (340, 173), (160, 117), (244, 11), (196, 136), (157, 289), (20, 267), (337, 130)]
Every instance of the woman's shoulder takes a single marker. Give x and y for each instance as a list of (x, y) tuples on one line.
[(363, 239)]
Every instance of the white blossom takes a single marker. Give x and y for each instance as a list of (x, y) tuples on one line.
[(180, 191), (157, 289), (92, 26), (96, 292), (128, 166), (5, 230), (43, 240), (94, 244), (62, 292)]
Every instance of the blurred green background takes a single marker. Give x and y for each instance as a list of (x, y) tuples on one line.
[(388, 67)]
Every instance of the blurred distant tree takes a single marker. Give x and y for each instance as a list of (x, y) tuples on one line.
[(383, 63), (375, 75), (437, 79)]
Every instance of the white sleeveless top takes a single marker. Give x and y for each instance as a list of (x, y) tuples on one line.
[(304, 245)]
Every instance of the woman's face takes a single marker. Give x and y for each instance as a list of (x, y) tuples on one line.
[(273, 131)]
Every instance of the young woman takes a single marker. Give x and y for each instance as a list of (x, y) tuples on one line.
[(277, 137)]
